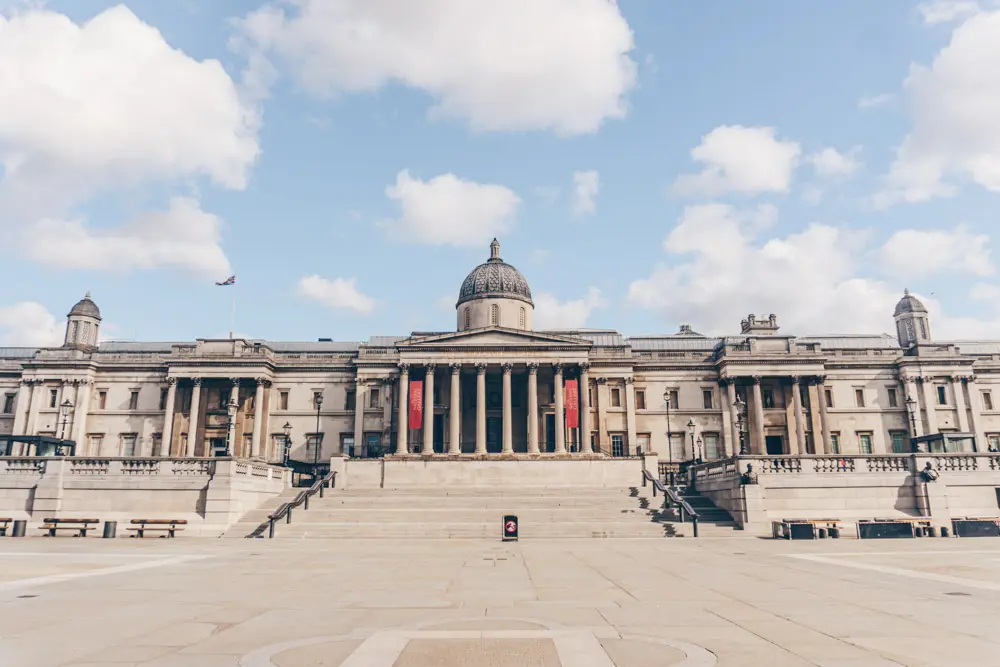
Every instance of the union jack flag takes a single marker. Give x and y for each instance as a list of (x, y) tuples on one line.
[(231, 280)]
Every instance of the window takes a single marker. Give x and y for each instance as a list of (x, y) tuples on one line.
[(312, 441), (8, 403), (987, 400), (828, 397), (53, 397), (617, 444), (374, 399), (859, 397), (674, 404), (893, 399), (706, 399), (941, 396), (163, 399), (318, 399), (223, 399), (677, 446), (495, 315), (898, 442), (767, 396), (102, 400), (835, 443), (616, 397), (522, 318), (641, 443), (282, 400), (593, 395), (640, 399), (865, 443), (94, 445), (710, 441), (128, 444), (85, 338), (468, 317), (157, 444), (993, 441), (133, 400)]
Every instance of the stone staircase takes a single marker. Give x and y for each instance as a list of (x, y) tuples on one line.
[(712, 521), (476, 513)]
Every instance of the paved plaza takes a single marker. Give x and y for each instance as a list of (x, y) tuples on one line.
[(630, 603)]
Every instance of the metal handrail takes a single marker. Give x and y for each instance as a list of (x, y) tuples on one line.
[(284, 510), (671, 497)]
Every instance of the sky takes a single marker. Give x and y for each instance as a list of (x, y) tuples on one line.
[(644, 164)]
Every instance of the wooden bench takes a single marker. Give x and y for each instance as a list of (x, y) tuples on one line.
[(916, 526), (787, 528), (976, 526), (79, 526), (168, 526), (4, 525)]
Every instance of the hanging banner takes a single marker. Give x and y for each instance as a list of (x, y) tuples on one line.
[(416, 403), (572, 405)]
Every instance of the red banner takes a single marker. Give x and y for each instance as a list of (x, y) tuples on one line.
[(416, 403), (572, 405)]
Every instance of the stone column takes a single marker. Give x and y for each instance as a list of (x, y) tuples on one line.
[(734, 435), (585, 446), (603, 400), (167, 434), (758, 418), (22, 406), (80, 411), (812, 417), (234, 397), (387, 399), (958, 387), (428, 446), (533, 408), (975, 414), (360, 400), (193, 419), (455, 411), (37, 400), (630, 414), (800, 430), (824, 417), (560, 410), (508, 420), (403, 410), (480, 408), (929, 405), (915, 424)]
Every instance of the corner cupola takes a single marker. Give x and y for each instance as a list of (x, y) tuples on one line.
[(913, 325), (83, 324)]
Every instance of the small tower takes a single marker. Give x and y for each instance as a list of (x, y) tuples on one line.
[(912, 324), (83, 325)]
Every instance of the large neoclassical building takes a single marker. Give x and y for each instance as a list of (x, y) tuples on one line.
[(497, 387)]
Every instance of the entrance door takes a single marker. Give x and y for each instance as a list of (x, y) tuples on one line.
[(494, 435), (218, 446), (550, 433), (775, 445), (439, 434)]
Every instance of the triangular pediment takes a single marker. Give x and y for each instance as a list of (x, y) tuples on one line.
[(493, 337)]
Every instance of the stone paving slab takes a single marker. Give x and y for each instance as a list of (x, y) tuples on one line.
[(564, 603)]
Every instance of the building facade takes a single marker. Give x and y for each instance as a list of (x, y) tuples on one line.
[(496, 387)]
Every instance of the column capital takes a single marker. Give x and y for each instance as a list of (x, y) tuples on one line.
[(602, 380), (196, 381), (430, 367), (171, 380), (796, 379), (532, 367), (456, 368), (235, 381), (585, 366), (630, 380), (819, 380), (755, 379), (262, 382), (480, 368), (404, 369), (970, 378), (386, 381), (507, 368), (558, 368), (723, 382)]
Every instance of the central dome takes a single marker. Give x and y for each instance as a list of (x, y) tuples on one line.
[(495, 279)]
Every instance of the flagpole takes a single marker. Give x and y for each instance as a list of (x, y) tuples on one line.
[(232, 316)]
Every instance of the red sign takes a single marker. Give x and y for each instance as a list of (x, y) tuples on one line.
[(572, 405), (416, 403)]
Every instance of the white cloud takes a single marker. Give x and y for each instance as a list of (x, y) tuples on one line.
[(586, 185), (30, 324), (512, 65), (108, 103), (946, 11), (913, 252), (337, 293), (551, 314), (182, 237), (448, 210), (831, 163), (875, 101), (745, 160), (956, 118)]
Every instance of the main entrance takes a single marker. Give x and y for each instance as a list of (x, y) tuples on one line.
[(494, 435)]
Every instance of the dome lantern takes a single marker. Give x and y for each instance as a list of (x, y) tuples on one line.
[(495, 294)]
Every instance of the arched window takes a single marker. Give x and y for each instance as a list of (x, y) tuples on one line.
[(74, 332), (495, 315), (468, 317), (85, 337), (521, 318)]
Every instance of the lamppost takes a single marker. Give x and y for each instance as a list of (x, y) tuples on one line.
[(670, 449), (64, 413), (700, 459), (231, 409), (287, 428), (741, 408), (691, 428), (319, 404), (911, 407)]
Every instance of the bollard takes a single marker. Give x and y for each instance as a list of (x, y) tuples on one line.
[(270, 529), (307, 501), (19, 527), (288, 515), (834, 533), (694, 526), (944, 531), (110, 529), (932, 531), (321, 489), (822, 533)]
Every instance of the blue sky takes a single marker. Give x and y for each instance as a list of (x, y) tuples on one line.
[(806, 207)]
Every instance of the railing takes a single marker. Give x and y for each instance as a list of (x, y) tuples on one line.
[(672, 498), (284, 511)]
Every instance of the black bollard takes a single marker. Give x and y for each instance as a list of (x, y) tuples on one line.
[(822, 533), (110, 529), (945, 532), (288, 515), (834, 533), (19, 527), (270, 529)]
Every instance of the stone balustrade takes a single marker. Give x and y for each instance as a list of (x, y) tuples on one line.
[(847, 463)]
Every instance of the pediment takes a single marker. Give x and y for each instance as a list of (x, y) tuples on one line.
[(494, 337)]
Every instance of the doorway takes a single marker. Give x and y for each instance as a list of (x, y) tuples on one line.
[(550, 433), (775, 445), (494, 435), (439, 434)]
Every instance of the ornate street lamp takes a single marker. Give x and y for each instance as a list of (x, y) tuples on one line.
[(319, 404), (741, 408), (691, 427), (231, 408), (911, 408), (700, 459), (670, 449), (287, 428), (64, 413)]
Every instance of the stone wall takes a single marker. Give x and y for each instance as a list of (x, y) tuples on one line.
[(211, 494)]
